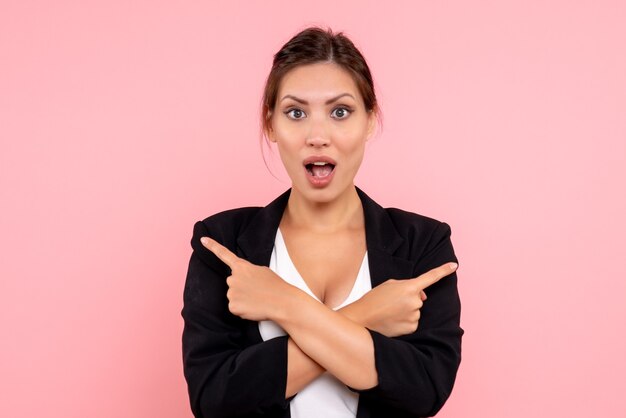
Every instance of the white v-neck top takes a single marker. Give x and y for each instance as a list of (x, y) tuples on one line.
[(325, 396)]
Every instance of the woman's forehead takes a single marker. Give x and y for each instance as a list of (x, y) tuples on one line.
[(317, 83)]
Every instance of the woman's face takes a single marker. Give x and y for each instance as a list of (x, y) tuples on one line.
[(320, 115)]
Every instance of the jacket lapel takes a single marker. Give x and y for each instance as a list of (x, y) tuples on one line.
[(383, 243), (256, 241)]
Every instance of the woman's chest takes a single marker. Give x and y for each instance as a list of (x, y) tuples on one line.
[(328, 264)]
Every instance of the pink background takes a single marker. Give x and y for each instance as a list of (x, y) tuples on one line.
[(122, 123)]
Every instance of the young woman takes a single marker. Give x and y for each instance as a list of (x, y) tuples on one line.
[(322, 303)]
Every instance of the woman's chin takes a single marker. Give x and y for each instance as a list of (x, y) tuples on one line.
[(326, 194)]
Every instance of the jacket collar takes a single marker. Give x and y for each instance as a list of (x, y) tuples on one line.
[(256, 241)]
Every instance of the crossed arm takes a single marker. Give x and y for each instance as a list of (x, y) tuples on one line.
[(302, 369), (320, 338), (375, 336)]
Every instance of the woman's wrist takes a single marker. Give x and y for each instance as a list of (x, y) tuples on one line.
[(356, 313), (287, 301)]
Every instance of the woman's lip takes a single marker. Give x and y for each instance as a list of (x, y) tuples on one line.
[(316, 158)]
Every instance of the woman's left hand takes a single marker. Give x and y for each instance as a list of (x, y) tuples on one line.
[(254, 292)]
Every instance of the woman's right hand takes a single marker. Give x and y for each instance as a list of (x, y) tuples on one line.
[(393, 307)]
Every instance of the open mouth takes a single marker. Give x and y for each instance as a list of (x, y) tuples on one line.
[(320, 169)]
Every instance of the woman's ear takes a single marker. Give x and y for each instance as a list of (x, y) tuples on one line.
[(371, 124), (270, 130), (270, 135)]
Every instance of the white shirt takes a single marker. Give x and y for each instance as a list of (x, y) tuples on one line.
[(325, 396)]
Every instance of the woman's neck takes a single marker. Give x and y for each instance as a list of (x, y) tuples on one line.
[(344, 212)]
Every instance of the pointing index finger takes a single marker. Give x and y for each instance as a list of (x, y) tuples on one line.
[(220, 251), (433, 276)]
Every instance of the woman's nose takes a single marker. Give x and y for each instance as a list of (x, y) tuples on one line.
[(318, 137), (317, 141)]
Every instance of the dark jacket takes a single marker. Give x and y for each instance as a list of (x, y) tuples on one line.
[(232, 372)]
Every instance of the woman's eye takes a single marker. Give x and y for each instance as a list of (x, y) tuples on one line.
[(342, 112), (297, 115)]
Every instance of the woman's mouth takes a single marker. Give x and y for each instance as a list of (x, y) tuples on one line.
[(320, 173), (319, 169)]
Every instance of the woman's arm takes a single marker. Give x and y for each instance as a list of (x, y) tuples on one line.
[(339, 345), (416, 367), (336, 343), (226, 376), (416, 372), (389, 309), (301, 369), (219, 369)]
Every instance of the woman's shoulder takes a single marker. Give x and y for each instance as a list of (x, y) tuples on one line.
[(421, 233), (408, 224), (427, 240), (231, 216), (407, 220), (226, 222), (224, 227)]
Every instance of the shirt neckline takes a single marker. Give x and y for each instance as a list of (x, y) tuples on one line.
[(285, 251)]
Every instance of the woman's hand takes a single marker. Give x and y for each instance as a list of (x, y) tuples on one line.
[(254, 292), (393, 307)]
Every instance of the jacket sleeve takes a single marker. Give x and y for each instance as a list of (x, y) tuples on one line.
[(226, 375), (416, 372)]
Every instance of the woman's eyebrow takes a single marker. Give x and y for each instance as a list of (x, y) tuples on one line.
[(329, 101)]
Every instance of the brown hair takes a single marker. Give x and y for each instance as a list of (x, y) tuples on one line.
[(313, 45)]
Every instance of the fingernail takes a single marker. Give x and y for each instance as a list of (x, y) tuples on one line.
[(453, 266), (204, 240)]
